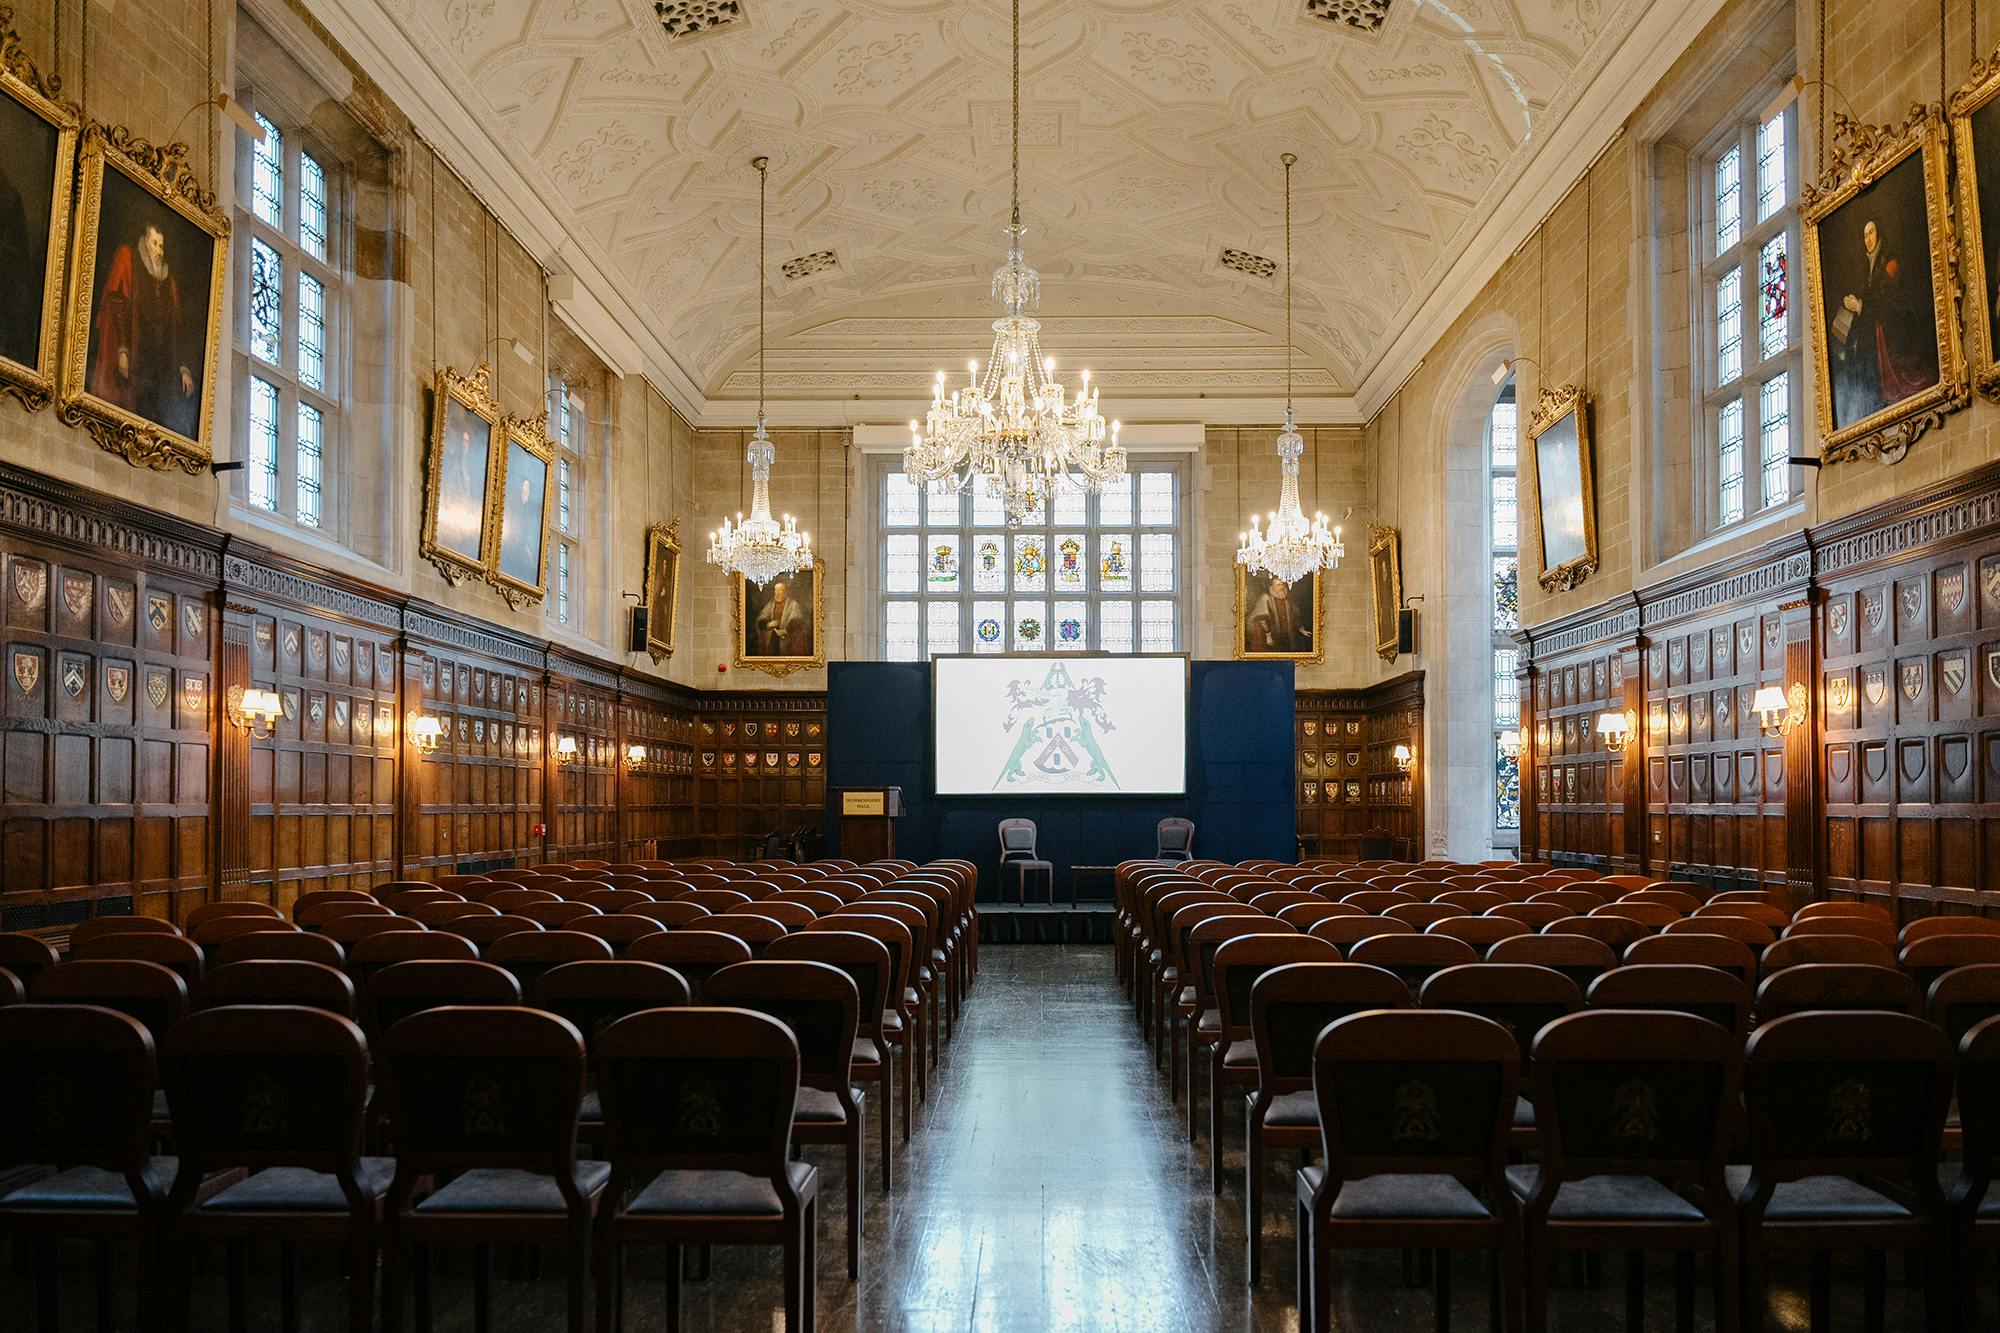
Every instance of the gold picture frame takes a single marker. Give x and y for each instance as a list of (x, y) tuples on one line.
[(521, 505), (458, 534), (1973, 112), (1385, 583), (130, 190), (1561, 465), (1259, 639), (761, 619), (1867, 171), (30, 98), (663, 587)]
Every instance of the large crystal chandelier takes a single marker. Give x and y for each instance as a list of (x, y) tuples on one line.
[(759, 547), (1290, 547), (1013, 428)]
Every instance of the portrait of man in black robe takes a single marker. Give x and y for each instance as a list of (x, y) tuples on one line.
[(1877, 296), (27, 180)]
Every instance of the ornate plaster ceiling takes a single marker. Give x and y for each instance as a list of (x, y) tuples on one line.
[(1151, 135)]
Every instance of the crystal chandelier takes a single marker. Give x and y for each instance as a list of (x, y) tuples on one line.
[(1290, 547), (759, 548), (1013, 428)]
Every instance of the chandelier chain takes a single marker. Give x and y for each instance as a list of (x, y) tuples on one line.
[(1017, 114), (763, 178), (1288, 159)]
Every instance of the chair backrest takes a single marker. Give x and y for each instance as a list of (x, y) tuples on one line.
[(1305, 915), (864, 958), (748, 925), (1240, 961), (1866, 927), (1926, 927), (1628, 1092), (557, 916), (698, 1089), (597, 992), (695, 953), (527, 956), (219, 928), (1766, 914), (1837, 908), (315, 911), (1422, 916), (208, 912), (1481, 932), (513, 900), (1687, 988), (1521, 997), (1964, 997), (262, 1086), (1753, 935), (714, 900), (1578, 901), (1173, 839), (303, 945), (1344, 932), (1411, 1091), (1017, 840), (26, 956), (152, 994), (402, 989), (672, 914), (1717, 951), (177, 953), (1680, 900), (1617, 932), (80, 1082), (1376, 902), (1413, 958), (440, 915), (83, 932), (1797, 950), (619, 929), (278, 981), (1651, 916), (1289, 1006), (376, 952), (610, 901), (350, 929), (1471, 902), (1846, 1094), (1578, 957), (1979, 1101), (494, 1088), (817, 1001), (1835, 986), (488, 930)]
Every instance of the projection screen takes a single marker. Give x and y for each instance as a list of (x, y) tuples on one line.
[(1035, 725)]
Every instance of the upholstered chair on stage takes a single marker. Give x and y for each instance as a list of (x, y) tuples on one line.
[(1173, 840), (1018, 856)]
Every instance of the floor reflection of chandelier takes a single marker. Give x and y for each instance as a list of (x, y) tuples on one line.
[(760, 547), (1013, 428), (1290, 546)]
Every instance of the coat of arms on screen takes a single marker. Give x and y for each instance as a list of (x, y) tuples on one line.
[(1059, 723)]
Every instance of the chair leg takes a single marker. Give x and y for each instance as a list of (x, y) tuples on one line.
[(1507, 1262), (288, 1285), (361, 1283), (1535, 1286), (1684, 1292), (674, 1261), (1441, 1291), (1215, 1095), (46, 1309), (233, 1259), (482, 1289), (908, 1108), (1253, 1194), (1174, 1047), (101, 1261), (886, 1117), (809, 1271), (1193, 1066), (1302, 1244), (1635, 1292), (1322, 1285), (610, 1278), (578, 1275), (854, 1193), (392, 1281), (1820, 1292), (1874, 1285)]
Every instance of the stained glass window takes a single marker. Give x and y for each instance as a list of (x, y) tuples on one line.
[(1506, 786), (312, 332), (1503, 540), (312, 207), (562, 582), (1060, 580), (263, 440), (1506, 593), (562, 496), (312, 430), (267, 303), (899, 634), (569, 427), (1775, 428), (1774, 325), (1728, 198), (1730, 434), (1506, 532), (1729, 326), (1505, 433), (1771, 191), (1506, 689), (267, 176)]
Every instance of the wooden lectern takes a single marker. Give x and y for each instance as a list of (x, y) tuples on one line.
[(868, 821)]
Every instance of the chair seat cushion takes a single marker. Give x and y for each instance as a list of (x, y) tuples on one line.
[(1293, 1110), (591, 1109), (713, 1194), (1524, 1113), (1608, 1198), (820, 1107), (1209, 1024), (1413, 1197), (1240, 1055), (90, 1189), (1820, 1199), (492, 1190), (293, 1189), (891, 1021), (864, 1054)]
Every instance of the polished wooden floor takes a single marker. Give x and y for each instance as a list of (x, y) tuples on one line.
[(1050, 1186)]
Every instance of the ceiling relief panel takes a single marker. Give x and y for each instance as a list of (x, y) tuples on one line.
[(1150, 140)]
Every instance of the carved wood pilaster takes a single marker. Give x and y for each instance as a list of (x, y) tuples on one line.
[(1805, 813), (1628, 798), (229, 822)]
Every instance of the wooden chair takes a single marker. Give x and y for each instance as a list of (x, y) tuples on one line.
[(1473, 902), (1344, 932), (1532, 915), (1578, 901), (1845, 927), (1413, 958), (402, 989), (817, 900), (1289, 1006), (11, 989), (867, 963), (513, 900), (1233, 1055), (219, 928), (97, 927), (819, 1003), (486, 931), (281, 1091), (724, 1177), (1857, 986), (557, 915), (1422, 916), (440, 915), (348, 930), (528, 955), (1685, 988), (595, 993), (1617, 932), (1197, 1007), (178, 954), (278, 981), (1975, 1224), (1717, 951), (1521, 997), (619, 930), (1795, 950), (1680, 900), (1835, 908), (714, 900), (1377, 902), (905, 1030), (1633, 1113), (1963, 998), (612, 901), (1413, 1112), (371, 955), (208, 912), (300, 945), (696, 954), (1773, 918), (1653, 916), (152, 994), (26, 956), (789, 915), (399, 898), (79, 1110), (315, 911), (673, 915), (1481, 932), (1928, 959), (1753, 935), (1833, 1099), (1578, 957), (510, 1173), (1927, 927)]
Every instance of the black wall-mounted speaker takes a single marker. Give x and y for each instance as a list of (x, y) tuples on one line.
[(1406, 631), (636, 638)]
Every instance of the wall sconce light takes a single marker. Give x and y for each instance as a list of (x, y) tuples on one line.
[(425, 730), (1615, 729), (1510, 741), (565, 749), (1405, 760), (1777, 714), (635, 755), (255, 710)]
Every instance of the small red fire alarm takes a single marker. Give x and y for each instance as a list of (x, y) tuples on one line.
[(540, 830)]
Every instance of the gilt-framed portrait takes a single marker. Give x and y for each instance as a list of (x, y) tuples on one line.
[(521, 510), (663, 587), (1559, 457), (1276, 620), (459, 474), (1975, 136), (1385, 585), (778, 627), (147, 259), (38, 134), (1885, 337)]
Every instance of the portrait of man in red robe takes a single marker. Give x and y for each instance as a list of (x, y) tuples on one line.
[(143, 357)]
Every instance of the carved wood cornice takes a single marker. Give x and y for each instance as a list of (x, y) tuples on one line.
[(1909, 525), (1607, 622), (260, 572), (1782, 568), (435, 625), (48, 510)]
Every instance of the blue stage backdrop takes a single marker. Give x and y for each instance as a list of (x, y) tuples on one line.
[(1239, 774)]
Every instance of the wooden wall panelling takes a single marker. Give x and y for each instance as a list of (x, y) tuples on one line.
[(1347, 783), (656, 808), (583, 816), (230, 810), (763, 768)]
